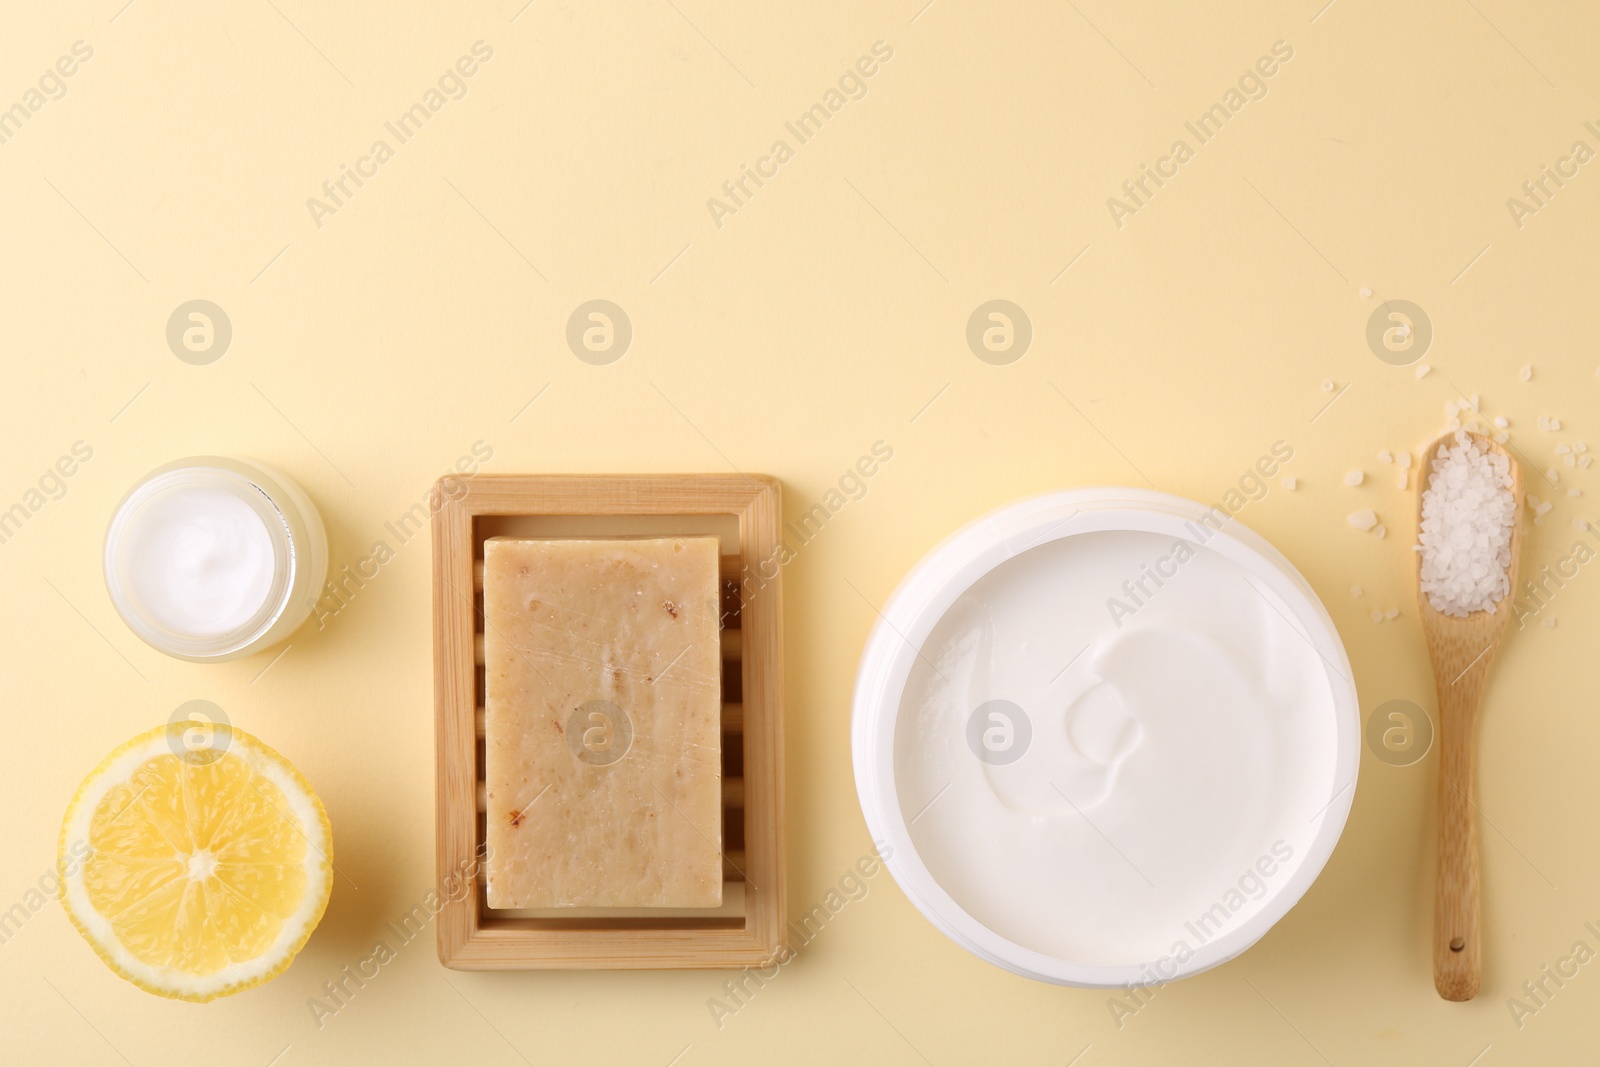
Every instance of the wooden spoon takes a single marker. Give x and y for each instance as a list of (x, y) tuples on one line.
[(1461, 650)]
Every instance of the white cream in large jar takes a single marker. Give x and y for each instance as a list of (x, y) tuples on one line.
[(1115, 751)]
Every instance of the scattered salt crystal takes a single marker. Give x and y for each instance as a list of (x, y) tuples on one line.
[(1405, 460), (1366, 292), (1584, 461), (1377, 616), (1544, 423), (1355, 477), (1468, 513), (1581, 525), (1327, 385), (1543, 509), (1362, 520), (1380, 531), (1552, 476), (1501, 421), (1562, 450), (1555, 424), (1574, 493), (1400, 479), (1290, 482), (1355, 591), (1384, 456), (1550, 623), (1579, 448), (1423, 369), (1392, 613), (1526, 373), (1571, 461), (1451, 409), (1453, 424)]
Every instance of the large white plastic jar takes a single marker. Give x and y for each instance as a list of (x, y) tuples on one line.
[(1105, 737)]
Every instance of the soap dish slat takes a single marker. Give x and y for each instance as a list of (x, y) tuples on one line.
[(744, 512)]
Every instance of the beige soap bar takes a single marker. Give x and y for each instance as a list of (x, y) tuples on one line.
[(603, 757)]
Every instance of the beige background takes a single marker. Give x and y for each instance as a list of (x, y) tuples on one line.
[(828, 313)]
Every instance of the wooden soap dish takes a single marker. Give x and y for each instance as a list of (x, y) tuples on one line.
[(743, 512)]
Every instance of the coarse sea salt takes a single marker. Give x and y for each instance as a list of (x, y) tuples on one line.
[(1468, 514)]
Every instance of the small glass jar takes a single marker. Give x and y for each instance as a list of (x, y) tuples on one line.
[(212, 558)]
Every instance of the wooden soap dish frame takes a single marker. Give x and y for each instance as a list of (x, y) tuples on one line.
[(471, 935)]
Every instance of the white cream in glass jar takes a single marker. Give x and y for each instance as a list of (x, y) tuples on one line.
[(213, 558)]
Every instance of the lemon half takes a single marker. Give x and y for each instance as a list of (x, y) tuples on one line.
[(196, 861)]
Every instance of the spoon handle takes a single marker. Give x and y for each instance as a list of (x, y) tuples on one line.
[(1457, 943)]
